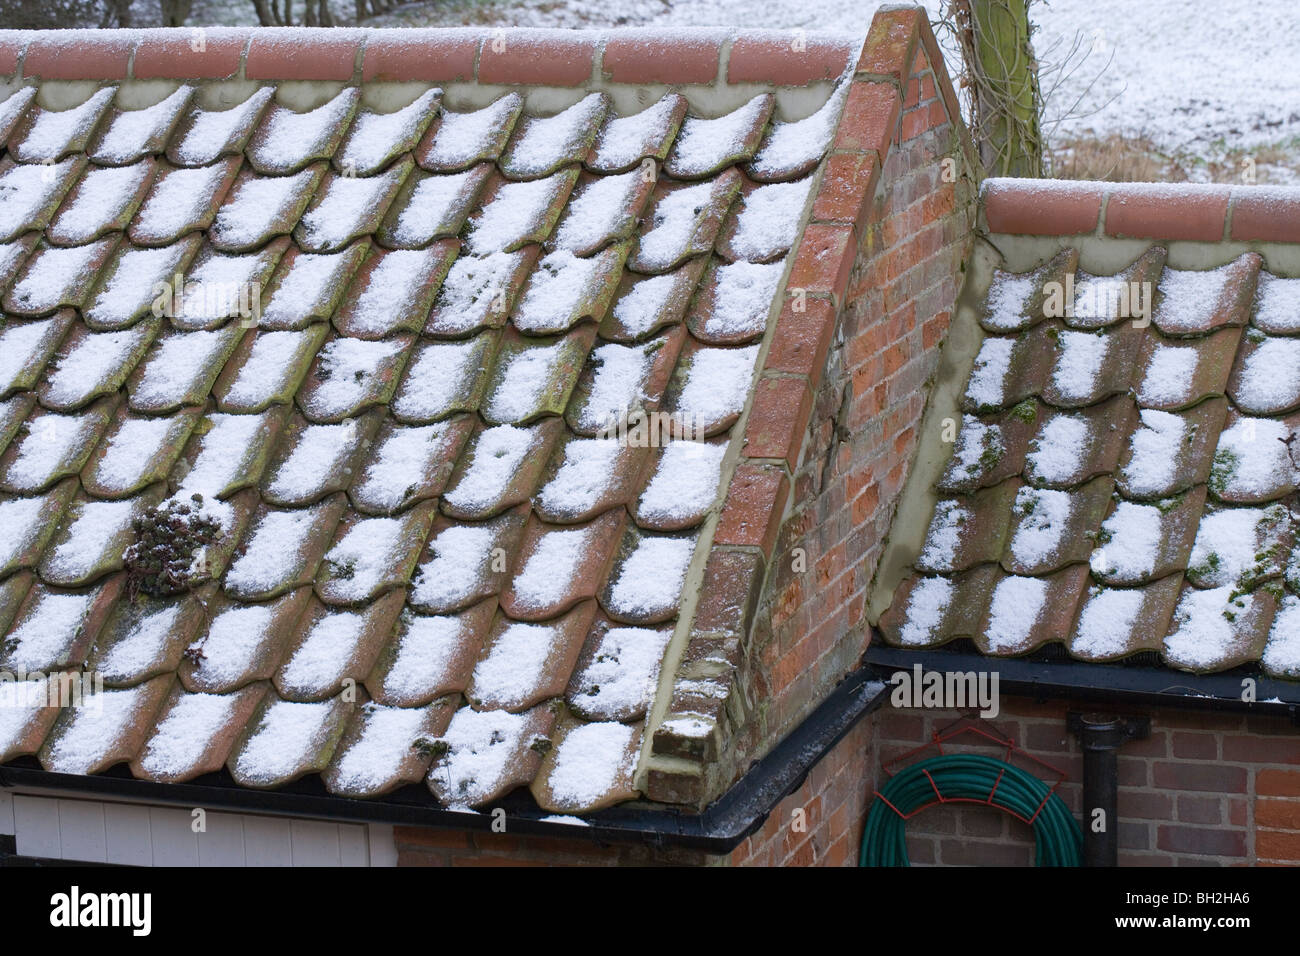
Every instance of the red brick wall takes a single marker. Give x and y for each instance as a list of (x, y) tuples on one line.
[(1205, 789)]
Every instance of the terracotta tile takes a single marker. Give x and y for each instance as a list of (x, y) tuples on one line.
[(457, 141), (824, 261), (681, 485), (555, 567), (350, 375), (346, 207), (284, 740), (648, 576), (182, 200), (1168, 453), (524, 664), (514, 214), (430, 206), (627, 141), (795, 148), (181, 368), (1097, 301), (706, 146), (539, 145), (735, 302), (408, 464), (1025, 613), (1114, 623), (433, 56), (307, 287), (643, 56), (456, 775), (28, 346), (54, 628), (990, 450), (242, 643), (536, 57), (101, 202), (282, 549), (479, 291), (145, 636), (1174, 374), (312, 461), (928, 611), (393, 291), (173, 56), (1254, 385), (430, 656), (136, 283), (1240, 547), (381, 749), (729, 594), (604, 209), (763, 223), (324, 55), (332, 650), (1051, 529), (968, 530), (1041, 208), (43, 135), (710, 387), (204, 136), (587, 759), (259, 208), (1126, 553), (13, 591), (778, 420), (227, 453), (1264, 214), (90, 365), (1217, 629), (622, 387), (13, 414), (1073, 447), (125, 136), (1253, 461), (136, 452), (26, 525), (644, 305), (618, 671), (376, 139), (1091, 366), (42, 187), (53, 278), (791, 60), (91, 538), (1275, 312), (563, 290), (1193, 302), (1171, 211), (847, 187), (106, 731), (463, 563), (30, 714), (194, 733), (587, 477), (502, 468), (443, 378), (682, 221), (1017, 301), (370, 556), (52, 447)]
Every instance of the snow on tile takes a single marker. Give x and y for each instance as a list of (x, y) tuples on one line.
[(1044, 516), (590, 761), (45, 632), (1204, 625), (742, 297), (514, 212), (26, 189), (374, 136), (179, 198), (212, 132), (475, 289), (481, 746), (346, 204), (626, 139), (385, 742), (20, 520), (545, 142), (300, 288), (1188, 298), (1055, 453), (976, 444), (498, 453), (623, 673), (1008, 298), (258, 203), (96, 727), (102, 197), (234, 638), (177, 364), (225, 448), (672, 225), (1154, 449), (704, 144), (511, 674), (548, 575), (350, 368), (650, 579), (287, 138), (1132, 536), (462, 137), (315, 460), (14, 104), (1078, 364), (52, 132), (528, 376), (556, 291), (1105, 624), (1282, 653), (1270, 375), (944, 535), (20, 700), (1237, 546), (288, 734), (321, 660), (641, 308), (440, 376), (1097, 299), (95, 359), (179, 740), (685, 483), (55, 276), (132, 132), (1278, 304), (277, 540), (397, 280), (431, 205), (131, 449), (461, 558), (88, 539), (219, 287), (1169, 374), (22, 346), (52, 441), (800, 143), (582, 479), (1013, 611), (1252, 458), (987, 386), (599, 211), (425, 648), (769, 220), (364, 557), (617, 384), (717, 383), (132, 287), (401, 463), (142, 646)]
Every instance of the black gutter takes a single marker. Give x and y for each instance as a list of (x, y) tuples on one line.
[(1106, 683), (718, 829)]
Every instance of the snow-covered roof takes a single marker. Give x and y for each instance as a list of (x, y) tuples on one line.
[(1122, 472), (343, 499)]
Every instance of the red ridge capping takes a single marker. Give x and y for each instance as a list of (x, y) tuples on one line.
[(79, 54), (169, 54), (662, 56), (303, 53), (1266, 213), (541, 57), (1042, 207), (11, 48), (891, 43), (787, 58), (1167, 211), (428, 56)]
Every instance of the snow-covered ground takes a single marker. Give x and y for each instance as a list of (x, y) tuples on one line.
[(1197, 78)]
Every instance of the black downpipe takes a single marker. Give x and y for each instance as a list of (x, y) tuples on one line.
[(1100, 737)]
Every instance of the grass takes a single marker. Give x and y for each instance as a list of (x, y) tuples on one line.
[(1126, 159)]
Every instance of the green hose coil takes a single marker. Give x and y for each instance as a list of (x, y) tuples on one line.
[(1058, 839)]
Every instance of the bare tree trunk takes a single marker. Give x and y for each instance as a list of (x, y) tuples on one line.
[(175, 12), (117, 13)]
